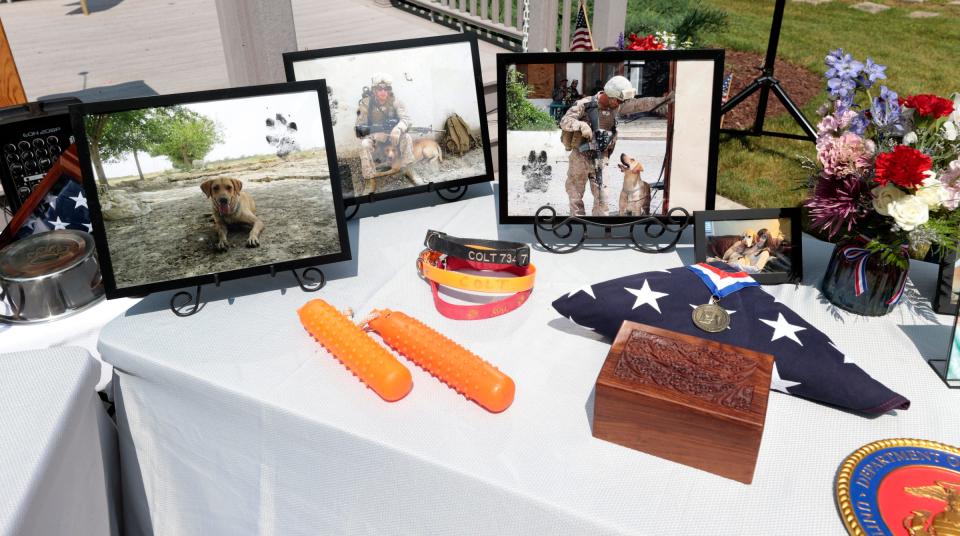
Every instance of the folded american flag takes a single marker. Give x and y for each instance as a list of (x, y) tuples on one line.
[(66, 210), (807, 364)]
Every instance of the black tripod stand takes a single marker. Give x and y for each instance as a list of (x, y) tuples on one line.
[(765, 83)]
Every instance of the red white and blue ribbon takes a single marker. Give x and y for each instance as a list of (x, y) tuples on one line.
[(860, 256), (722, 283)]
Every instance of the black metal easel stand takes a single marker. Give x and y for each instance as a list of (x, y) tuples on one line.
[(654, 227), (190, 303), (456, 192), (765, 83)]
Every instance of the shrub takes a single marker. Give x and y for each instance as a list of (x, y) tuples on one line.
[(521, 113), (688, 19)]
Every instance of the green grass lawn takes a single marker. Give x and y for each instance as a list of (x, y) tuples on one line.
[(921, 57)]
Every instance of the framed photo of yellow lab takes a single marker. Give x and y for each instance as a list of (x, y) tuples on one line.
[(765, 243), (409, 116), (608, 136), (195, 188)]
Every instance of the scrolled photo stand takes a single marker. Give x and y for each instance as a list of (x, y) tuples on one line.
[(185, 303), (672, 224)]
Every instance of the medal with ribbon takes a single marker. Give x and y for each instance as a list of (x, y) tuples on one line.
[(710, 316)]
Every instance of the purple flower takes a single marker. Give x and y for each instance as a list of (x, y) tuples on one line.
[(838, 203), (841, 74), (871, 73), (885, 112), (842, 65), (859, 124)]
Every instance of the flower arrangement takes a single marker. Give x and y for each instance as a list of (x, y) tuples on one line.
[(656, 41), (888, 167)]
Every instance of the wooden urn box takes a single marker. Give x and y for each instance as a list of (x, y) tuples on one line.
[(690, 400)]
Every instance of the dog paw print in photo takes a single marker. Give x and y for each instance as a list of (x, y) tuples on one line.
[(282, 134), (537, 172)]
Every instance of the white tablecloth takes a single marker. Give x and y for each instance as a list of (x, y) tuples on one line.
[(81, 329), (58, 457), (235, 421)]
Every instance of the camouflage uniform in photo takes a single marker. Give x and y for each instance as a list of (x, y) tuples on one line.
[(374, 117), (587, 113)]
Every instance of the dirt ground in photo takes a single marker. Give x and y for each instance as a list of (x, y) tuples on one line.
[(176, 238), (453, 167)]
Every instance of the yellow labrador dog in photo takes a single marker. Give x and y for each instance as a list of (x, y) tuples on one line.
[(231, 206), (635, 195)]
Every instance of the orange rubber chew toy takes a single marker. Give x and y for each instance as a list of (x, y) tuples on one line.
[(449, 362), (369, 361)]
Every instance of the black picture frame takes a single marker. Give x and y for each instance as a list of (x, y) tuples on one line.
[(505, 60), (291, 58), (79, 111), (942, 367), (793, 274), (942, 301)]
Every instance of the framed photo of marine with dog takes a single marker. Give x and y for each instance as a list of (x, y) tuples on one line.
[(409, 116), (640, 140), (194, 188)]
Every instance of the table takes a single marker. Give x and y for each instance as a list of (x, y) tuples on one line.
[(80, 329), (235, 421), (58, 454)]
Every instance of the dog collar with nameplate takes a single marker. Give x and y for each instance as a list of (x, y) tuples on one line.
[(440, 269), (474, 249)]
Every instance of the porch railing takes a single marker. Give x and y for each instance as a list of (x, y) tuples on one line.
[(501, 21)]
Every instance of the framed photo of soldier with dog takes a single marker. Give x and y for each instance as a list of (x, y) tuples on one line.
[(765, 243), (608, 136), (200, 187), (408, 115)]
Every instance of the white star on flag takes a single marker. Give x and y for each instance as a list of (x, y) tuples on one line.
[(89, 227), (782, 328), (58, 224), (51, 200), (587, 288), (646, 296), (779, 384), (80, 201)]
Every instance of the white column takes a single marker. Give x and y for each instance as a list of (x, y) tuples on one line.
[(608, 17), (255, 34)]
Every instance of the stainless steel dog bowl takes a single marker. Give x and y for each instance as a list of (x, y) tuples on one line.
[(49, 276)]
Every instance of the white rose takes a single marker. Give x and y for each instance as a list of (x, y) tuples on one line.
[(955, 116), (909, 212), (910, 138), (950, 131), (932, 191), (883, 196)]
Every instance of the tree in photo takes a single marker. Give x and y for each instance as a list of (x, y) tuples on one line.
[(111, 136), (183, 136)]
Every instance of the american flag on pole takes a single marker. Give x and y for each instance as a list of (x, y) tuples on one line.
[(581, 40)]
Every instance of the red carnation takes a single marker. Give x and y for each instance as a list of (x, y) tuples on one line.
[(929, 105), (903, 167)]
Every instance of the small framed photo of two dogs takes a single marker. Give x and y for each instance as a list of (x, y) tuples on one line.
[(196, 187), (409, 116), (765, 243), (608, 136)]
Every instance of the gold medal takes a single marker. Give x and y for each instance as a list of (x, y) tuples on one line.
[(711, 317)]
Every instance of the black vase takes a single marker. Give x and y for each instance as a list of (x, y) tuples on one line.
[(882, 282)]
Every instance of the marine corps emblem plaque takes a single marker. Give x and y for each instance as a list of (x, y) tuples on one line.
[(901, 487)]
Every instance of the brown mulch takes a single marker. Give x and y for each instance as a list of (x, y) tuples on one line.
[(800, 84)]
